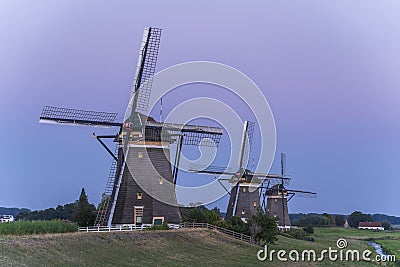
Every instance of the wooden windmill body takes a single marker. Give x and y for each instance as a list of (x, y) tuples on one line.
[(244, 194), (277, 197), (141, 184)]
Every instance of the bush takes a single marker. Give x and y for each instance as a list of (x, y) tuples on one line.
[(263, 227), (309, 229), (313, 220), (200, 214), (37, 227), (236, 224), (297, 233), (222, 224), (163, 226)]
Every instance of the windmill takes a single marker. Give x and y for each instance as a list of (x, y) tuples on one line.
[(141, 183), (244, 194), (278, 197)]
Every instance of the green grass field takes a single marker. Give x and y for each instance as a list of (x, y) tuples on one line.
[(37, 227), (183, 247)]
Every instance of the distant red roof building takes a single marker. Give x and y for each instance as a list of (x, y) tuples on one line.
[(370, 225)]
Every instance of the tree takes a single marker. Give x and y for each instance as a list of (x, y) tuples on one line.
[(200, 214), (330, 218), (386, 225), (85, 212), (340, 220), (264, 228), (236, 224), (309, 229), (356, 217), (255, 229), (313, 220)]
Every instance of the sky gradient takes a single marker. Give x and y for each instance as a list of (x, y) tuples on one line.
[(329, 69)]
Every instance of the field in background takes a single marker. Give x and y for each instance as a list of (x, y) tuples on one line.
[(37, 227)]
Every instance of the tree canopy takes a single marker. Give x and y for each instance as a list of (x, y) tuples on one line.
[(85, 212), (263, 227), (356, 217)]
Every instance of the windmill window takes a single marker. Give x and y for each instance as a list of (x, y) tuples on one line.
[(255, 204), (244, 189), (158, 220), (161, 181), (139, 195), (140, 155), (242, 211)]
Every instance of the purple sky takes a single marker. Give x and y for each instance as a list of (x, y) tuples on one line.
[(329, 69)]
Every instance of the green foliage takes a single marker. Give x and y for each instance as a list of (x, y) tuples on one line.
[(357, 217), (85, 212), (67, 212), (309, 229), (37, 227), (236, 224), (222, 224), (263, 228), (163, 226), (340, 220), (200, 214), (297, 233), (11, 211), (386, 225), (382, 218), (330, 218), (313, 220)]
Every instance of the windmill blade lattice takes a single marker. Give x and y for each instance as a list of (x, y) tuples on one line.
[(247, 141), (210, 169), (146, 68), (78, 117)]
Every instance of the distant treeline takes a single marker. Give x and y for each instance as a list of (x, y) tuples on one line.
[(386, 218), (81, 212), (353, 219), (66, 212), (11, 211)]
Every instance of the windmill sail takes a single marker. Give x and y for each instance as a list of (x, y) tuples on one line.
[(56, 115), (145, 69), (245, 147)]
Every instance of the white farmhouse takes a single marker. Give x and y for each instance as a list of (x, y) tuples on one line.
[(6, 218), (371, 226)]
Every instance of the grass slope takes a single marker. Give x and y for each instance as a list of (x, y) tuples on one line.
[(183, 247)]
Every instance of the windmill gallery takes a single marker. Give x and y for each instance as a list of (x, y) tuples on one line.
[(141, 183)]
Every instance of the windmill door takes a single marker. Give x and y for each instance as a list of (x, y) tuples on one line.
[(138, 215)]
